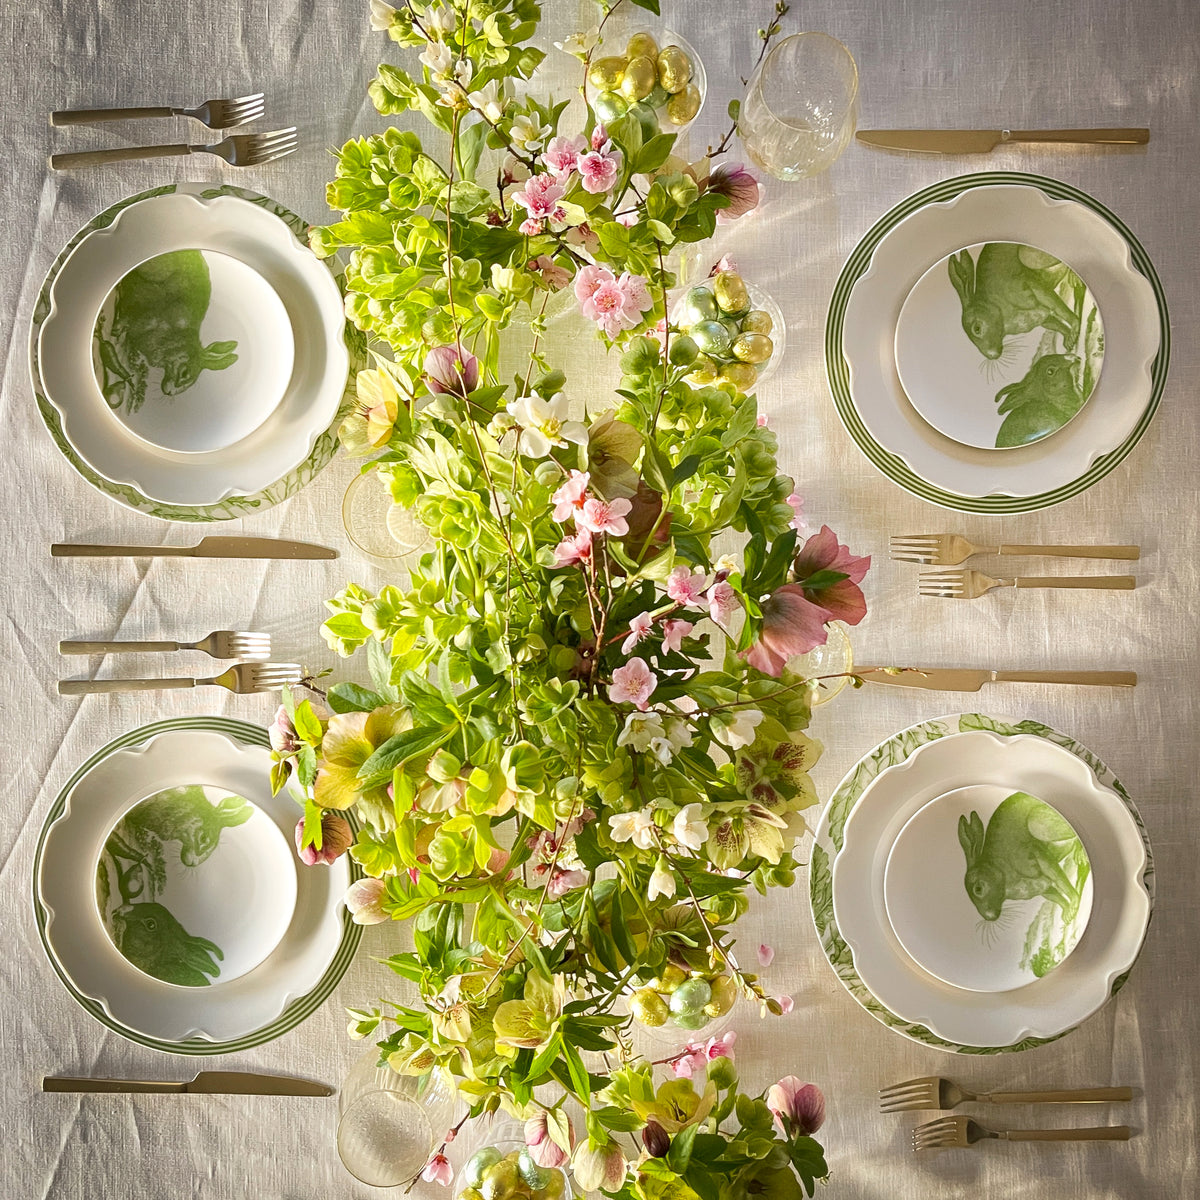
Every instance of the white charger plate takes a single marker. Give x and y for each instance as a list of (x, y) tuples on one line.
[(274, 997), (916, 1004), (996, 206), (291, 478)]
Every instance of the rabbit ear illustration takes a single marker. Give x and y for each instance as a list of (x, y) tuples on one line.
[(970, 837), (233, 810), (219, 355), (962, 275), (1009, 397)]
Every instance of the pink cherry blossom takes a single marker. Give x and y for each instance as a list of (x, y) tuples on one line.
[(632, 684), (689, 1060), (674, 632), (438, 1170), (639, 627), (766, 955), (722, 603), (604, 516), (540, 198), (572, 551), (731, 179), (762, 420), (598, 168), (600, 138), (562, 155), (685, 588), (569, 498), (786, 1004), (796, 502), (532, 226), (798, 1107), (721, 1047), (553, 276)]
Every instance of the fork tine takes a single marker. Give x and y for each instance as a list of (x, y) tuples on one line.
[(270, 137), (923, 560), (254, 99), (919, 539), (907, 1085)]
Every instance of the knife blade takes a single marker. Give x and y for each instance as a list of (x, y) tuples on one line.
[(980, 141), (954, 679), (209, 547), (206, 1083)]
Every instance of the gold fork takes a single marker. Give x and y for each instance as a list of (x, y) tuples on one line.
[(970, 585), (962, 1131), (948, 550), (932, 1091), (241, 677)]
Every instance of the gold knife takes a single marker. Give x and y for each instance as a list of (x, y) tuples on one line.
[(209, 547), (207, 1083), (980, 141), (953, 679)]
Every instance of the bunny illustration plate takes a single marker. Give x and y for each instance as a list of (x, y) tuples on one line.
[(141, 978), (192, 350), (999, 345), (1009, 898), (864, 820), (195, 885)]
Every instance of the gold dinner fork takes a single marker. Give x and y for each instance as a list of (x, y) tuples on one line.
[(948, 550), (962, 1131), (240, 150), (241, 677), (970, 585), (216, 114), (932, 1091), (221, 643)]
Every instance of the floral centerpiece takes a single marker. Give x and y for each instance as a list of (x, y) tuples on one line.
[(581, 745)]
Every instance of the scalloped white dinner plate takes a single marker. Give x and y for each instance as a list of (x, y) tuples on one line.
[(1108, 947), (266, 1001), (307, 290)]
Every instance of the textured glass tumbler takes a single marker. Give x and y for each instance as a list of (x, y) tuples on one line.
[(376, 524), (801, 106), (834, 659), (387, 1125)]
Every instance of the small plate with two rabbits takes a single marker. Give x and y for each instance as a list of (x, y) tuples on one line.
[(999, 345)]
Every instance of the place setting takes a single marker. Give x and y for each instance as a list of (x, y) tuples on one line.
[(592, 626)]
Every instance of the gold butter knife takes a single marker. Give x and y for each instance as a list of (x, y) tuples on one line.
[(207, 1083), (952, 679), (980, 141), (209, 547)]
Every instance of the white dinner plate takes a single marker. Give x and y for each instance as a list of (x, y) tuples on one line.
[(275, 449), (997, 206), (867, 812), (260, 1005)]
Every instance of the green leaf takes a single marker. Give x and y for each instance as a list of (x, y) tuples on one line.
[(580, 1083), (621, 934), (399, 749), (823, 579), (734, 110), (648, 5), (307, 723), (351, 697), (775, 569), (685, 469), (541, 1064), (680, 1153)]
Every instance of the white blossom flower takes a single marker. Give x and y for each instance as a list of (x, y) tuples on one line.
[(527, 133), (640, 730), (690, 828), (636, 827), (679, 733), (439, 58), (381, 16), (662, 749), (491, 100), (737, 730), (544, 425), (662, 881), (439, 22), (580, 44)]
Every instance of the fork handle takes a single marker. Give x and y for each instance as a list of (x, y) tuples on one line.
[(94, 116), (1129, 552), (114, 647), (1095, 1133), (1122, 583), (94, 158), (1068, 1096), (86, 687)]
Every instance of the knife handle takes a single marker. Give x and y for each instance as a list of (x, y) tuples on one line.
[(115, 647), (64, 1083), (1128, 552), (88, 687), (85, 550), (1100, 137), (1120, 583), (1094, 678)]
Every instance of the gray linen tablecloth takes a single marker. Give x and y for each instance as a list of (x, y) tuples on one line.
[(968, 63)]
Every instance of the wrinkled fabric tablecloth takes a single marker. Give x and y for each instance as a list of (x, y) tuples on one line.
[(965, 63)]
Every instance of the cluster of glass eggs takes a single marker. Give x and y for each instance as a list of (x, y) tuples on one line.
[(687, 999), (645, 77), (491, 1174), (734, 340)]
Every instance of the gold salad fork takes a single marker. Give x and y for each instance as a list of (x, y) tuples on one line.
[(932, 1091), (948, 550), (241, 678), (240, 150), (962, 1131), (216, 114), (221, 643), (970, 585)]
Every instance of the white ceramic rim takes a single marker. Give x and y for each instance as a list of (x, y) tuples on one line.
[(1042, 1009), (1002, 212), (310, 294), (92, 964), (927, 413)]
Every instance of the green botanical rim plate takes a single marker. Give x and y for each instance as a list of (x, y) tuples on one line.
[(301, 1008), (838, 369), (828, 840), (234, 506)]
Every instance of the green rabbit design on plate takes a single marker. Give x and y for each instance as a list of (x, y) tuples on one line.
[(1026, 850), (157, 313), (1009, 291)]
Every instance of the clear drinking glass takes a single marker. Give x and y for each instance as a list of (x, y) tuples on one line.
[(376, 524), (388, 1124), (801, 107), (834, 659)]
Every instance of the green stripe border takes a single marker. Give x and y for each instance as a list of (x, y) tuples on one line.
[(298, 1010), (838, 370)]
